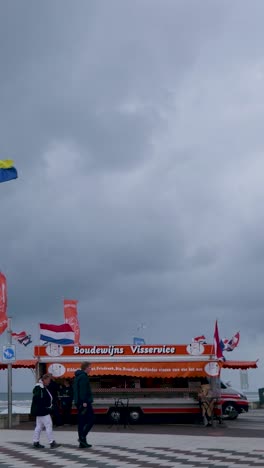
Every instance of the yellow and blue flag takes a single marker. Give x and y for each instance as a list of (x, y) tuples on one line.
[(7, 170)]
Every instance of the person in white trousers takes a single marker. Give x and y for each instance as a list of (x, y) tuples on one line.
[(41, 407)]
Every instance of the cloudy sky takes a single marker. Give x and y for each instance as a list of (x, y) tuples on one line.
[(137, 131)]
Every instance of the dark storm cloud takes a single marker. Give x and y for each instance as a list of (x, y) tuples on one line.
[(66, 69), (136, 128)]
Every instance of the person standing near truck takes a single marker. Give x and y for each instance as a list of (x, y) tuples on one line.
[(53, 388), (83, 400), (207, 403), (66, 396)]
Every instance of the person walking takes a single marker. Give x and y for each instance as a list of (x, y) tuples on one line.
[(83, 400), (41, 407)]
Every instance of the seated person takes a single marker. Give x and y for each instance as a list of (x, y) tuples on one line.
[(207, 403)]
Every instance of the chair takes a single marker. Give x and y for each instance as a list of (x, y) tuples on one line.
[(122, 410)]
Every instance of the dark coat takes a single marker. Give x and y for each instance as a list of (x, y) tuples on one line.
[(41, 402), (53, 388), (66, 395), (82, 392)]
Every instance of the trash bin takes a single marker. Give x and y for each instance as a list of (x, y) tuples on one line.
[(261, 395)]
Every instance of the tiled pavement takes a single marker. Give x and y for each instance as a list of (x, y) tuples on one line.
[(120, 450)]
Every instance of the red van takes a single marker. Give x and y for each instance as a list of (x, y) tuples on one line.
[(233, 402)]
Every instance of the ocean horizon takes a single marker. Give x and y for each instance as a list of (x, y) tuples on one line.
[(21, 399)]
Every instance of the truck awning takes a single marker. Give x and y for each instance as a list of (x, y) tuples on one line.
[(19, 364), (240, 365), (142, 369)]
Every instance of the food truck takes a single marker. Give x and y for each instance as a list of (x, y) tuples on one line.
[(146, 379)]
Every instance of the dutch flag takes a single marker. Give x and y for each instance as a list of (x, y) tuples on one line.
[(60, 334)]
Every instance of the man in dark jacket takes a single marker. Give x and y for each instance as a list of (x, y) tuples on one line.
[(83, 400), (41, 407)]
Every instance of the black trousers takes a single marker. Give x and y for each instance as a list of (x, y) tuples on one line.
[(85, 420)]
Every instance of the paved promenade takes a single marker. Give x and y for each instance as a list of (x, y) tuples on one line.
[(120, 449)]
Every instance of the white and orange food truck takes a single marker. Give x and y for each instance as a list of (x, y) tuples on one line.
[(145, 379)]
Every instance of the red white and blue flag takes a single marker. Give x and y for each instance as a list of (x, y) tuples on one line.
[(60, 334), (230, 345), (199, 339), (23, 338), (223, 343), (217, 344), (19, 336)]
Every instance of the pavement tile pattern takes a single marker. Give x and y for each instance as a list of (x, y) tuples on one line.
[(23, 455)]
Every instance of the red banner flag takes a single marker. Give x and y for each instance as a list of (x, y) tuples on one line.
[(3, 304), (71, 317), (217, 344)]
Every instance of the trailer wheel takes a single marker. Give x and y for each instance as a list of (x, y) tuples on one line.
[(135, 415), (114, 415)]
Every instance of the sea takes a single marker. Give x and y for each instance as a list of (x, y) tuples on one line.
[(21, 402)]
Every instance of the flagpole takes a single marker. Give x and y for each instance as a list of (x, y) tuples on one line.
[(9, 375)]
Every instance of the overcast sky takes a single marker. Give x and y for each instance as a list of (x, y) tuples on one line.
[(136, 127)]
